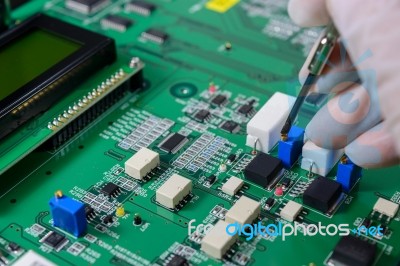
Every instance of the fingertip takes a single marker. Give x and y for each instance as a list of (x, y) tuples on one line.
[(308, 13), (373, 149)]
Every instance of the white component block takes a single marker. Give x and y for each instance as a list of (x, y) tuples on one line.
[(244, 211), (323, 160), (386, 207), (217, 242), (32, 258), (141, 163), (173, 191), (291, 211), (266, 125), (232, 186)]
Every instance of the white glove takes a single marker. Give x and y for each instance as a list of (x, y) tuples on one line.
[(363, 117)]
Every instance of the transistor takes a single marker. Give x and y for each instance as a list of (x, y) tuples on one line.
[(211, 179)]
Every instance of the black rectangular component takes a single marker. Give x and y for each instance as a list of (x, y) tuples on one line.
[(141, 7), (211, 179), (202, 115), (40, 92), (322, 194), (116, 22), (176, 260), (245, 109), (230, 126), (353, 251), (173, 142), (269, 202), (86, 6), (232, 157), (111, 189), (219, 100), (285, 182), (155, 35), (263, 169), (54, 239)]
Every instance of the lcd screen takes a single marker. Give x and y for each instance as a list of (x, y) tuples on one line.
[(29, 56)]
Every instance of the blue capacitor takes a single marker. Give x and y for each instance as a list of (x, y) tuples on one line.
[(68, 214), (290, 150), (347, 174)]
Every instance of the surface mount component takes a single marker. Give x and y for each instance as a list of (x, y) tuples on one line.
[(46, 74), (155, 35), (141, 7), (174, 190), (141, 163), (116, 22), (244, 211), (217, 242), (173, 143), (232, 185), (230, 126), (263, 130), (263, 169), (386, 207), (111, 189), (86, 6), (353, 251), (291, 210), (202, 115), (219, 100), (322, 194), (319, 160)]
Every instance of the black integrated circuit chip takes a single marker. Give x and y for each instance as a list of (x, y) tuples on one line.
[(86, 6), (230, 126), (322, 194), (155, 35), (116, 23), (54, 239), (111, 189), (246, 109), (140, 7), (176, 260), (353, 251), (263, 169), (219, 100), (202, 115), (173, 143)]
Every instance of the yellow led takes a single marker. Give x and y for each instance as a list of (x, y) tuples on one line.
[(221, 6), (120, 211)]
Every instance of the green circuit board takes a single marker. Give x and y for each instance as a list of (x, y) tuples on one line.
[(246, 50)]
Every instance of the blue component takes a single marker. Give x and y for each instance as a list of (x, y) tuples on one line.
[(347, 174), (68, 214), (290, 150)]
